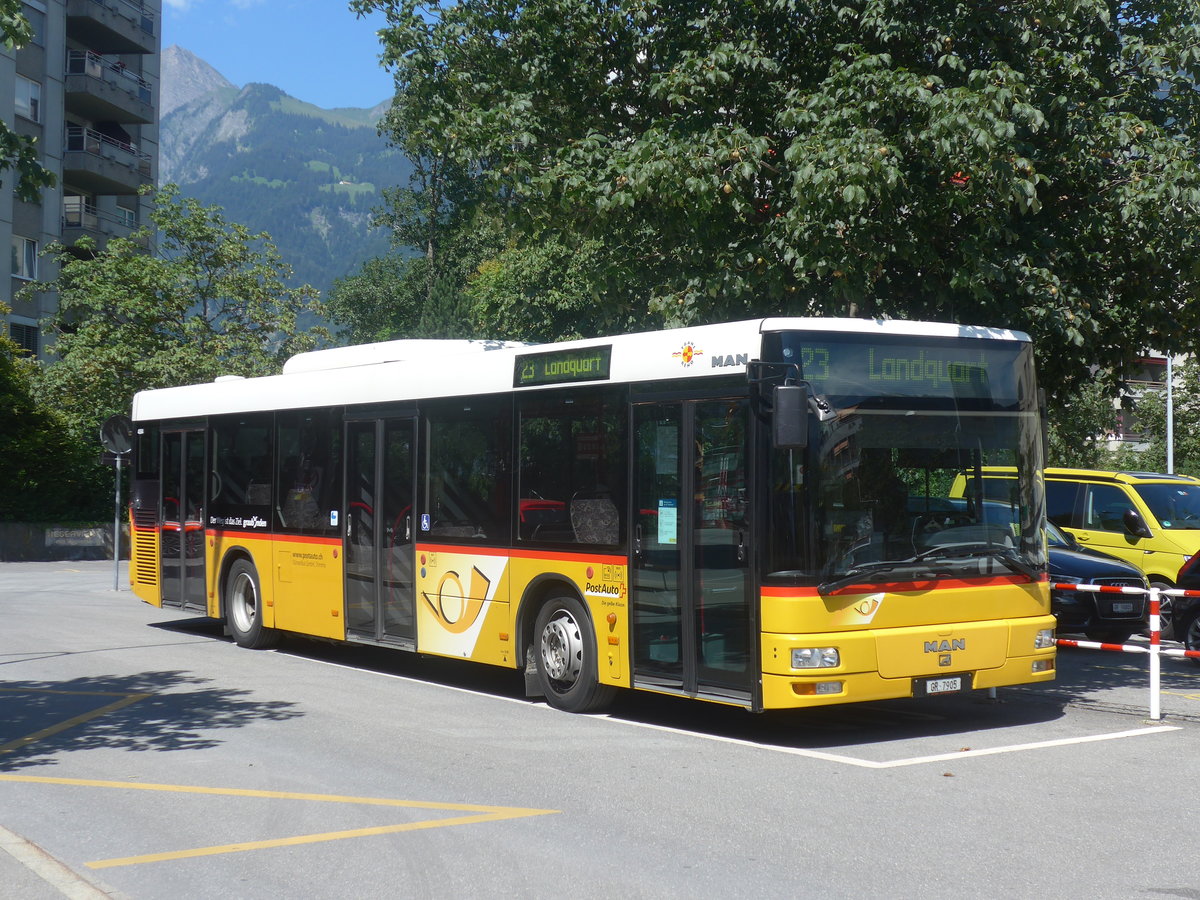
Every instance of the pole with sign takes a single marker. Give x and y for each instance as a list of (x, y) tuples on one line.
[(116, 437)]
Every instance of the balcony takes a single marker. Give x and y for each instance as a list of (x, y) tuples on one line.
[(100, 164), (81, 218), (102, 89), (112, 26)]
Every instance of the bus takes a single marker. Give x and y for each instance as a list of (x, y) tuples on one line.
[(751, 513)]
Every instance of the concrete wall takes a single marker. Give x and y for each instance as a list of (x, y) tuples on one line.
[(43, 543)]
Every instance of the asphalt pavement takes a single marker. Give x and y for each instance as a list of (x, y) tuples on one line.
[(1095, 692)]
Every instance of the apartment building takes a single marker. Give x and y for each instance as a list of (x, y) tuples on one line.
[(86, 86)]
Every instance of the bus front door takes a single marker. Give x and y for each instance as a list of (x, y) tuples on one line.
[(692, 614), (181, 512), (379, 530)]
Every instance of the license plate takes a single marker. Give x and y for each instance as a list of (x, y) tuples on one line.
[(1122, 607), (923, 687)]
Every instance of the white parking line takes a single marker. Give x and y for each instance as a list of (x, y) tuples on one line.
[(797, 751), (914, 760)]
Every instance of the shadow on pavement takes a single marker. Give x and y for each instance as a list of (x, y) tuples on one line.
[(150, 711), (1114, 682)]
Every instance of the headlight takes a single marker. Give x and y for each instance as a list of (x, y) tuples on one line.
[(1044, 639), (1064, 579), (815, 657)]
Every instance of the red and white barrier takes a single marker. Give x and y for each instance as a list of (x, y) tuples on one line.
[(1155, 649)]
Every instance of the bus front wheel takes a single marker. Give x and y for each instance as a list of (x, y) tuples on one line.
[(566, 658), (243, 608)]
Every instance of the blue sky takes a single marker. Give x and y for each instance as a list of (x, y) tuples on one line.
[(315, 50)]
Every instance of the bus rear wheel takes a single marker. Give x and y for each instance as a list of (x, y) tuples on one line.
[(565, 652), (243, 608)]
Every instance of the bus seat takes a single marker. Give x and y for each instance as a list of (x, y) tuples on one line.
[(594, 520)]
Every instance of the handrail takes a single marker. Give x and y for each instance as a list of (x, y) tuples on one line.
[(140, 14), (87, 140), (78, 213), (93, 65)]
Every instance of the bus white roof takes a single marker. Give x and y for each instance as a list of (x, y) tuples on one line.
[(396, 371), (387, 351)]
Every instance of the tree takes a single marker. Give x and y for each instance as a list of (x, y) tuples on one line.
[(19, 152), (424, 295), (45, 476), (1030, 165), (1152, 416), (211, 300), (1079, 440)]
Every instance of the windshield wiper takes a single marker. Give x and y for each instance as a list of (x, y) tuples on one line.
[(970, 550), (1009, 557)]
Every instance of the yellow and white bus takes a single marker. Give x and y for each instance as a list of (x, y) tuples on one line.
[(752, 513)]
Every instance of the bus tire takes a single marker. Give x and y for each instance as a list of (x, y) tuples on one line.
[(565, 652), (243, 608)]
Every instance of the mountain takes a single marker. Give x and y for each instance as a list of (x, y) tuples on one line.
[(185, 77), (307, 176)]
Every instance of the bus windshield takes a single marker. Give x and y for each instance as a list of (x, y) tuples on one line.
[(869, 500)]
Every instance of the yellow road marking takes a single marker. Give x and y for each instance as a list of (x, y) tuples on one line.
[(314, 838), (126, 700), (481, 814)]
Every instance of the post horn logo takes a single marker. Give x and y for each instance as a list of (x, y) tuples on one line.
[(455, 609)]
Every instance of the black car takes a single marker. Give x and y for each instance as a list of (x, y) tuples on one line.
[(1109, 618), (1185, 611)]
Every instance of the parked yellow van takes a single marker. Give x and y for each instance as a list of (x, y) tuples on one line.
[(1148, 518)]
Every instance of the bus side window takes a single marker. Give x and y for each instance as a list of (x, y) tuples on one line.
[(241, 478), (571, 481), (467, 488), (308, 486)]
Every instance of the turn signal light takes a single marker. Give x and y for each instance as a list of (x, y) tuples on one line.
[(814, 688)]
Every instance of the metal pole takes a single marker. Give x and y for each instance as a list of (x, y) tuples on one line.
[(1170, 421), (117, 528), (1155, 660)]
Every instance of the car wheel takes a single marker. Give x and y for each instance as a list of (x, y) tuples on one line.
[(243, 608), (1110, 637), (566, 656), (1189, 632), (1165, 617)]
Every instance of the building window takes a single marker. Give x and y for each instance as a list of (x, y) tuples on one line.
[(24, 336), (37, 24), (29, 98), (24, 258)]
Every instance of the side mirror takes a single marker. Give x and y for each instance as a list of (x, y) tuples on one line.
[(1134, 524), (789, 429)]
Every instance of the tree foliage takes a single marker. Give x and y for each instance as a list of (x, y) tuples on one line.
[(1029, 165), (210, 300), (1152, 417), (44, 474), (1079, 440)]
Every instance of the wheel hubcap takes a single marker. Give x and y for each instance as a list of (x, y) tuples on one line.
[(244, 602), (562, 648), (1191, 640)]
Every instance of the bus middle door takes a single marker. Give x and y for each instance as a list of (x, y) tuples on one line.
[(181, 512), (692, 600), (379, 530)]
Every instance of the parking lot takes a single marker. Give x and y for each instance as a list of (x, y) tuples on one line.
[(143, 755)]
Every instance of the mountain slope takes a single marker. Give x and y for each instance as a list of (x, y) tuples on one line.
[(309, 177), (185, 77)]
